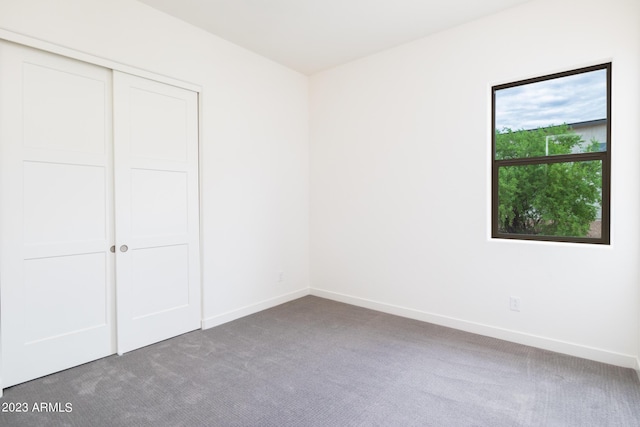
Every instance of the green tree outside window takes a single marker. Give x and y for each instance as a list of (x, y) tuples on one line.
[(551, 199)]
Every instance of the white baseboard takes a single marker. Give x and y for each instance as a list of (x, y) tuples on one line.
[(637, 368), (210, 322), (585, 352)]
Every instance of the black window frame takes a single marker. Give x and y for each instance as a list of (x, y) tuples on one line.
[(603, 156)]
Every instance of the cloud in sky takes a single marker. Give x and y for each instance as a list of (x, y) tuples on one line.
[(572, 99)]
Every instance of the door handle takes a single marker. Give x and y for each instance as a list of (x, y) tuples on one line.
[(112, 249), (124, 248)]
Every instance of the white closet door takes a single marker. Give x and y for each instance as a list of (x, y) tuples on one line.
[(56, 216), (157, 220)]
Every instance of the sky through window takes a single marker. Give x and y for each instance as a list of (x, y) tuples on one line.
[(571, 99)]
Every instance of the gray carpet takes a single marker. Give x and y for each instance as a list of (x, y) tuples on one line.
[(314, 362)]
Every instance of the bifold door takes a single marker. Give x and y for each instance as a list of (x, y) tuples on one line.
[(60, 214)]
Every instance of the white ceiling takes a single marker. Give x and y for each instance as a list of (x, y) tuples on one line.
[(313, 35)]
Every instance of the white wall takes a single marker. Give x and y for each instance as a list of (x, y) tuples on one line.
[(254, 142), (400, 183)]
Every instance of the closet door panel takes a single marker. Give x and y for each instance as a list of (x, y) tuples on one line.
[(56, 220), (155, 270), (159, 125), (83, 277), (63, 110), (159, 203), (64, 203), (157, 221)]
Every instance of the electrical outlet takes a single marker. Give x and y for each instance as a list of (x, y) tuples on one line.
[(281, 276), (514, 303)]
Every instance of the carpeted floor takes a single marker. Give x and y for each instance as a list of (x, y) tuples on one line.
[(314, 362)]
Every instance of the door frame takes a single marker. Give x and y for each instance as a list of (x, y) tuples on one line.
[(20, 39)]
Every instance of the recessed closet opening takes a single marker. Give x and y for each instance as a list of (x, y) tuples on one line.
[(99, 212)]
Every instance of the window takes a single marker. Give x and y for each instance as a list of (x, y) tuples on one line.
[(551, 144)]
